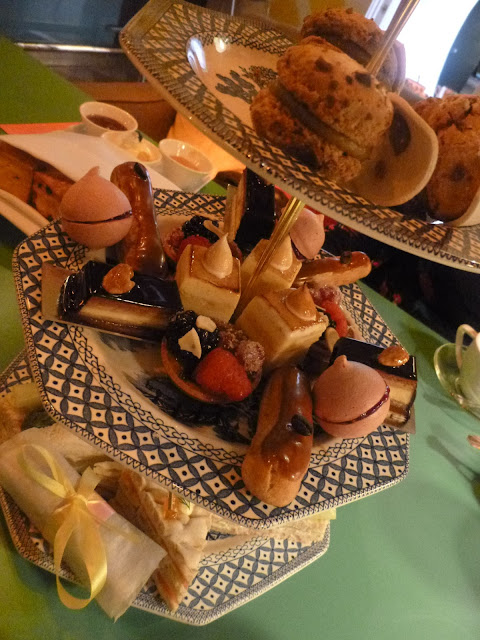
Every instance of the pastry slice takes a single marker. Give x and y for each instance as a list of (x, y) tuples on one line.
[(286, 323), (81, 297), (16, 171), (396, 367), (177, 525), (278, 274), (208, 280)]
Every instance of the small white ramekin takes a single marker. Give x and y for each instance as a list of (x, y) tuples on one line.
[(108, 110), (186, 178)]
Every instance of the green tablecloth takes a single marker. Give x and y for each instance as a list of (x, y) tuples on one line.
[(402, 564)]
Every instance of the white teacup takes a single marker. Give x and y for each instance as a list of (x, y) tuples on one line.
[(468, 361)]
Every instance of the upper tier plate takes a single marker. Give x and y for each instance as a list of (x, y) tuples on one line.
[(111, 391), (209, 65)]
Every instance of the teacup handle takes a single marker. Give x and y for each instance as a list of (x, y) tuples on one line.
[(461, 331)]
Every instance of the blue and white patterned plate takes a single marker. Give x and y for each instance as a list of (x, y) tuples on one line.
[(110, 392), (225, 580), (209, 65)]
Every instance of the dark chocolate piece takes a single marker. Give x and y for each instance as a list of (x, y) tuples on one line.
[(143, 312), (257, 199), (368, 354)]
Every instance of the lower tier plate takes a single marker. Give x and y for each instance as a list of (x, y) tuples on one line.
[(226, 580)]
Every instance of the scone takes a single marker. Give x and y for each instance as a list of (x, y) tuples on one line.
[(324, 108), (360, 38), (456, 179)]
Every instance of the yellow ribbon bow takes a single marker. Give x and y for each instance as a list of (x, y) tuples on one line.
[(74, 515)]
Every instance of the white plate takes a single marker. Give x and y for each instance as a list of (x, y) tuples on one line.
[(209, 65), (225, 580), (106, 389)]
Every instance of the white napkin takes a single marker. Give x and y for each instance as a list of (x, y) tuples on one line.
[(75, 153)]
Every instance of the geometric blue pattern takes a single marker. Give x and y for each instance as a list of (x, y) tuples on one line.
[(159, 41), (90, 384)]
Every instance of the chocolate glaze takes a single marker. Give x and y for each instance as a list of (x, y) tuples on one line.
[(258, 217), (367, 353), (286, 441), (150, 291)]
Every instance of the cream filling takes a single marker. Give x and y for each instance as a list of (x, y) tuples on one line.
[(299, 111), (218, 259), (283, 257)]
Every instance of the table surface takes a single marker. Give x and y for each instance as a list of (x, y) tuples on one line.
[(402, 564)]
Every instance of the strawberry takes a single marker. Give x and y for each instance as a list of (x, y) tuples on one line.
[(337, 316), (200, 240), (221, 373)]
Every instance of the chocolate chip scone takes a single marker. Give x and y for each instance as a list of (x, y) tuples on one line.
[(359, 37), (455, 109), (456, 179), (325, 108)]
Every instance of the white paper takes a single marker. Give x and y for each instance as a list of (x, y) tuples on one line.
[(76, 153), (131, 559)]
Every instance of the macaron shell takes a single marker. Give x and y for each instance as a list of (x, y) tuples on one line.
[(97, 235), (346, 391), (308, 233), (359, 428), (93, 199)]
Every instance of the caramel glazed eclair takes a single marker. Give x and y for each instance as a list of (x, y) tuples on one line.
[(323, 108)]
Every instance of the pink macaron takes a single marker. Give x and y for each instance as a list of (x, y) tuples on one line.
[(95, 212), (350, 399), (308, 233)]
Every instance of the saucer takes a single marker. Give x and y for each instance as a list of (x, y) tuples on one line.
[(446, 368)]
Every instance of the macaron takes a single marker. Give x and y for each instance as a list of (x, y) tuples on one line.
[(350, 399), (324, 108), (95, 212), (308, 233)]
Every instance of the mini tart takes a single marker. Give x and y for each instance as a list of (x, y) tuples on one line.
[(175, 372)]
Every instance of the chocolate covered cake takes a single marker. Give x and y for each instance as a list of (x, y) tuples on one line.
[(81, 298)]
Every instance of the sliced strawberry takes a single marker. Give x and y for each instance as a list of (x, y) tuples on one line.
[(221, 373), (199, 240), (337, 316)]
